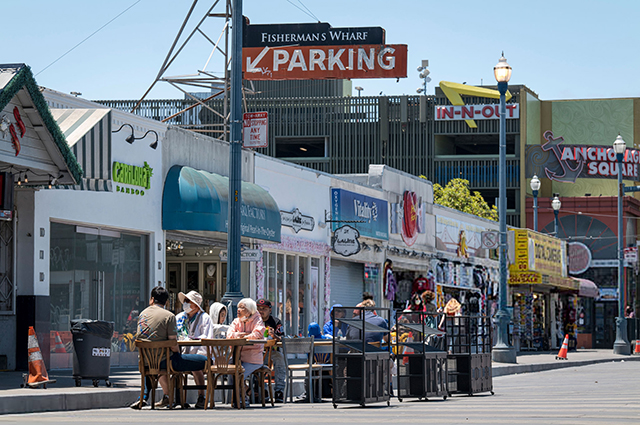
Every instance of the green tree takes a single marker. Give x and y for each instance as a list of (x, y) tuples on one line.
[(456, 195)]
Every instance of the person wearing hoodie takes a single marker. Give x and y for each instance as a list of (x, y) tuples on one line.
[(218, 313), (328, 327), (315, 332), (355, 334), (194, 323), (248, 325)]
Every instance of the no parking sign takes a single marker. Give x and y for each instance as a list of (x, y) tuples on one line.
[(254, 129)]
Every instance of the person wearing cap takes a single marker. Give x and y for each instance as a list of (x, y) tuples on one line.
[(276, 331), (193, 323), (327, 329)]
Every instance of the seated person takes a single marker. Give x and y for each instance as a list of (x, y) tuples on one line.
[(328, 327), (248, 325), (314, 331), (369, 317), (194, 323), (157, 324), (218, 313), (276, 331)]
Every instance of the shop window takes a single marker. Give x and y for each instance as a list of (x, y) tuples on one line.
[(97, 274)]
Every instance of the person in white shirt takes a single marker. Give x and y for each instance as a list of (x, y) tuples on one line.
[(194, 323)]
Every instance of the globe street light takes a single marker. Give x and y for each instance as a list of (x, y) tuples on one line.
[(424, 74), (535, 186), (555, 204), (503, 352), (621, 344)]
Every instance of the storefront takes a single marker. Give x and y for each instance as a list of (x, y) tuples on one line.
[(543, 297), (194, 217), (33, 154), (464, 268), (295, 273), (359, 221)]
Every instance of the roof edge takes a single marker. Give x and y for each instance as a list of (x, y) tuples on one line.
[(24, 78)]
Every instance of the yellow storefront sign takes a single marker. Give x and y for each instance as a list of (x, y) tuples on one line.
[(539, 253), (525, 278)]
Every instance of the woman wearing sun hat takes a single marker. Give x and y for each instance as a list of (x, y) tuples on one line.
[(194, 323)]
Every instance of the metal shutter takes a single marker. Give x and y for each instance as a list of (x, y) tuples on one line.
[(347, 283)]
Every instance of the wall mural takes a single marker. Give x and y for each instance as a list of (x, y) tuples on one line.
[(596, 235)]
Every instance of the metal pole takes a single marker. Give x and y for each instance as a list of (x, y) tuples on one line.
[(502, 351), (555, 223), (621, 344), (234, 292), (535, 210)]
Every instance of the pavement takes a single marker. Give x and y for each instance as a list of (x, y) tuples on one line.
[(65, 396)]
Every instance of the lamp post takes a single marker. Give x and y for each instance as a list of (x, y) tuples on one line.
[(359, 89), (621, 344), (234, 292), (555, 204), (503, 352), (535, 187)]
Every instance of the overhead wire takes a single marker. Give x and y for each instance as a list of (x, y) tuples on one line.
[(314, 15), (91, 35), (301, 9)]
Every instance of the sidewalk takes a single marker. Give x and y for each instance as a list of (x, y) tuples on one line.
[(64, 395)]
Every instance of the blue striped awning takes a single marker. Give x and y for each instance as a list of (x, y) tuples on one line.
[(88, 134)]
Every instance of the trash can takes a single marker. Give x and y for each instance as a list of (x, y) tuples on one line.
[(92, 350)]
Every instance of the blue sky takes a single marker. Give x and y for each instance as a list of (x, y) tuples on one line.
[(561, 49)]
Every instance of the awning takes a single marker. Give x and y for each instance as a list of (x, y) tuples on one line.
[(528, 277), (88, 134), (196, 200), (587, 288)]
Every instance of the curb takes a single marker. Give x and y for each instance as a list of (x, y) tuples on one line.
[(541, 367), (121, 397)]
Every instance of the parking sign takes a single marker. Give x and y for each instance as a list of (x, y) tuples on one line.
[(254, 129)]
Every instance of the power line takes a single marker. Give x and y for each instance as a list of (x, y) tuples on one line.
[(301, 9), (303, 5), (92, 34)]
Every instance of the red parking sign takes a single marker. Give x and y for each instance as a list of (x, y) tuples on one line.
[(254, 130)]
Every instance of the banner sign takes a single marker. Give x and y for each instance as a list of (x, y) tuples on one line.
[(524, 278), (312, 34), (459, 237), (567, 163), (539, 253), (475, 112), (254, 129), (368, 215), (325, 62)]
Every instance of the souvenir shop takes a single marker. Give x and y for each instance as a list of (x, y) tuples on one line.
[(463, 268), (543, 297)]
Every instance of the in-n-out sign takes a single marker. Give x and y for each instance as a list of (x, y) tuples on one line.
[(475, 112), (325, 62)]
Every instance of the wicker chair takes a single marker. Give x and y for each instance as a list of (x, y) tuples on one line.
[(150, 356)]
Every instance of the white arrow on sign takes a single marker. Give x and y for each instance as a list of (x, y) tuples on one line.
[(252, 66)]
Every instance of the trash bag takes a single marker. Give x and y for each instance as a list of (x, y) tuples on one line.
[(98, 328)]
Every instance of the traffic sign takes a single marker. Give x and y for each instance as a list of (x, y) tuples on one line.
[(490, 240), (254, 129), (632, 188)]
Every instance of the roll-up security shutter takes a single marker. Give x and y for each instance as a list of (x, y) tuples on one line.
[(347, 283)]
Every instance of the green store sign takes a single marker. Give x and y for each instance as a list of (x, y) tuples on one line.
[(132, 175)]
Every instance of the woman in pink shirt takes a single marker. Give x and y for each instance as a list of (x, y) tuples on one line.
[(248, 325)]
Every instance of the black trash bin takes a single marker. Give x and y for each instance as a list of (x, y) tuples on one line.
[(92, 350)]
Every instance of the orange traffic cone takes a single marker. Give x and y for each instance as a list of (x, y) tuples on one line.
[(562, 354), (59, 345), (637, 350), (37, 370)]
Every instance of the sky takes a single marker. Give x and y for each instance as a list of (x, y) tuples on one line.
[(560, 49)]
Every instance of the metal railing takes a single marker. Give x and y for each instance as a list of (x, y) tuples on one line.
[(481, 173)]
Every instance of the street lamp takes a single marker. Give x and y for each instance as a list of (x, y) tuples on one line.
[(555, 204), (535, 187), (621, 344), (503, 352), (359, 90)]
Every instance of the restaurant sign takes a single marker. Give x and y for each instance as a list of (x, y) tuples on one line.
[(475, 112), (369, 215), (132, 175)]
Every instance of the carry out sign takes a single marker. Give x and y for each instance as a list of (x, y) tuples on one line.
[(325, 62)]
